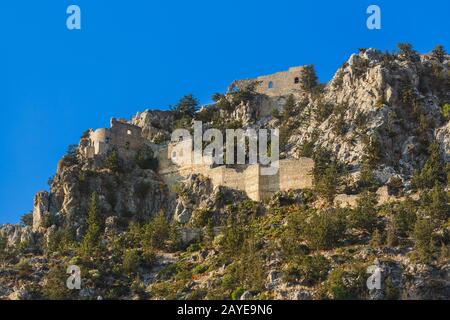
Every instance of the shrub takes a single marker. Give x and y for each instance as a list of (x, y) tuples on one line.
[(156, 232), (27, 219), (432, 172), (324, 229), (391, 234), (3, 248), (131, 260), (360, 67), (367, 180), (404, 215), (445, 110), (347, 283), (423, 236), (364, 216), (55, 284), (113, 162), (438, 207), (314, 269), (391, 291), (306, 149), (70, 158), (377, 239), (236, 294), (200, 217), (322, 111), (24, 268), (326, 186), (439, 53), (407, 51), (199, 269)]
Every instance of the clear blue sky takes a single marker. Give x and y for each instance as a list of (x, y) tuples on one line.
[(138, 54)]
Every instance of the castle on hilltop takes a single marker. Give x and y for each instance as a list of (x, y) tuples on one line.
[(122, 136), (176, 164), (277, 84)]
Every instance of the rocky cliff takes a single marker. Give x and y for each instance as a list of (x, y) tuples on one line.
[(383, 117)]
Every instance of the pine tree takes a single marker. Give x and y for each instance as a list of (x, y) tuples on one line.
[(439, 208), (55, 287), (289, 108), (309, 79), (423, 236), (3, 248), (406, 50), (432, 172), (439, 53), (91, 244), (112, 162), (328, 183), (156, 232), (186, 107), (391, 237)]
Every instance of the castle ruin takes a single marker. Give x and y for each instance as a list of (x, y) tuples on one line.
[(175, 166), (122, 136), (277, 84)]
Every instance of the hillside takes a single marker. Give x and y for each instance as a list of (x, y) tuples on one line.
[(378, 134)]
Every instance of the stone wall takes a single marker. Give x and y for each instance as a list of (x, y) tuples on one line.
[(277, 84), (292, 174), (126, 138)]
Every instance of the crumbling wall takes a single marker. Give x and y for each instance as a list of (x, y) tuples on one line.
[(277, 84), (292, 174)]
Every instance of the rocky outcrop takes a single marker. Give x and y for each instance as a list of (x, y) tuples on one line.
[(40, 210), (443, 137), (156, 124), (377, 103), (197, 194)]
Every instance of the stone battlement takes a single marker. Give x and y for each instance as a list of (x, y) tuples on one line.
[(277, 84), (121, 136), (292, 174)]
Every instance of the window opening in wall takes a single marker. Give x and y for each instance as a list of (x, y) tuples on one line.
[(270, 86)]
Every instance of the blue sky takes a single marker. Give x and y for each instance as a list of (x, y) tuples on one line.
[(138, 54)]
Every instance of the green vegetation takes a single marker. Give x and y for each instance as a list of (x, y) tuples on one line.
[(439, 53), (424, 246), (55, 285), (186, 107), (446, 111), (71, 156), (91, 245), (27, 219), (406, 50), (432, 172), (113, 162), (365, 215), (323, 230), (308, 78)]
